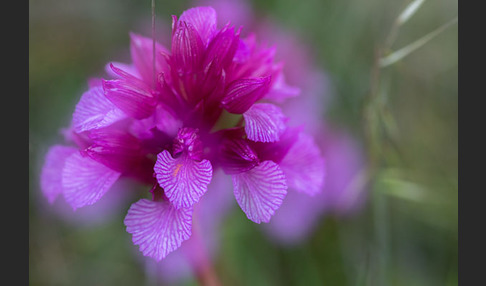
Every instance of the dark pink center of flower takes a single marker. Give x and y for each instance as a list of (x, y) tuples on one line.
[(188, 142)]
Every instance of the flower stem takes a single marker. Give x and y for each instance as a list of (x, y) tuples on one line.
[(207, 277), (204, 270)]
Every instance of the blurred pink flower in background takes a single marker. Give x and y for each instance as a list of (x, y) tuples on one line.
[(344, 192)]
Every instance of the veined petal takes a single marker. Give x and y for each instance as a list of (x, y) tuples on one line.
[(260, 191), (95, 111), (157, 227), (237, 156), (187, 48), (276, 151), (129, 68), (116, 149), (264, 122), (221, 49), (242, 93), (142, 56), (130, 94), (205, 241), (203, 19), (81, 140), (183, 179), (85, 181), (303, 166), (51, 174)]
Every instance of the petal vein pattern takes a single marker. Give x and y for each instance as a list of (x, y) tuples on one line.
[(95, 111), (264, 122), (85, 181), (183, 179), (203, 19), (241, 94), (51, 174), (130, 94), (260, 191), (157, 227), (142, 56)]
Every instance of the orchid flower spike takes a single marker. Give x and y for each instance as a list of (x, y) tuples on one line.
[(215, 107)]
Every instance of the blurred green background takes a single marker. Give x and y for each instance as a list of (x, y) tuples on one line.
[(408, 232)]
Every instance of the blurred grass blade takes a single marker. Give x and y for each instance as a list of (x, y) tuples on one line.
[(405, 190), (405, 51), (393, 182), (409, 11)]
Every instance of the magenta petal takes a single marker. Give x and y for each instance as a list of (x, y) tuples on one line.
[(237, 156), (51, 178), (130, 94), (205, 242), (242, 53), (188, 142), (183, 179), (126, 67), (264, 122), (203, 19), (239, 12), (157, 227), (304, 167), (242, 93), (95, 111), (187, 48), (115, 149), (167, 121), (142, 56), (222, 49), (85, 181), (143, 129), (276, 151), (260, 191), (163, 119)]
